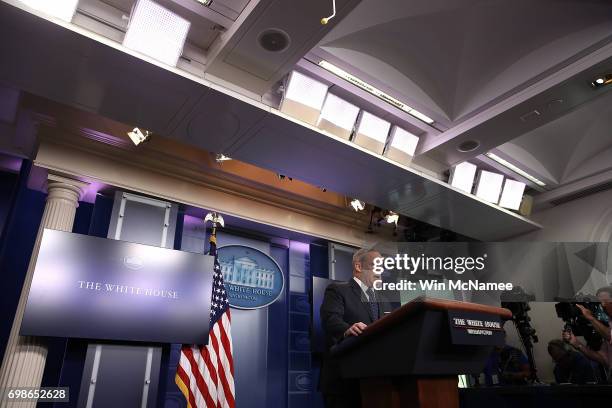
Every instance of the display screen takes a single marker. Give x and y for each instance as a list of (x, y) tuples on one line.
[(99, 288)]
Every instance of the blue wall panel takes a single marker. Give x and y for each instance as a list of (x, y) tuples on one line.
[(20, 230)]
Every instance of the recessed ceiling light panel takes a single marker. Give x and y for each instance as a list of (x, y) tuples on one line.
[(62, 9), (157, 32)]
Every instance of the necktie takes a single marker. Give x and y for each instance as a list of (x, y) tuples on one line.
[(373, 304)]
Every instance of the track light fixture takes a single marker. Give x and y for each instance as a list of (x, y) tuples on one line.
[(220, 158), (602, 80), (392, 218), (138, 136), (357, 205)]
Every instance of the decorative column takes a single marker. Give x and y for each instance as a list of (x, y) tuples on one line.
[(25, 356)]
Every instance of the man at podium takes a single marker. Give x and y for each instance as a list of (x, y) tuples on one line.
[(347, 309)]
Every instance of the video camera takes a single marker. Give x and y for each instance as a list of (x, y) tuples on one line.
[(569, 312), (517, 301)]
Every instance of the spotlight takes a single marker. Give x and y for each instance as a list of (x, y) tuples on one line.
[(357, 205), (206, 3), (137, 136), (220, 158), (602, 80)]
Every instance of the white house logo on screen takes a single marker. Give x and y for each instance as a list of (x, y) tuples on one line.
[(252, 278), (133, 262)]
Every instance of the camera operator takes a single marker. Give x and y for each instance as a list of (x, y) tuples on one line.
[(604, 354), (570, 366), (507, 365)]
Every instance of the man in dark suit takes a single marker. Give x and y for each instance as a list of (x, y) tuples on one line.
[(347, 309)]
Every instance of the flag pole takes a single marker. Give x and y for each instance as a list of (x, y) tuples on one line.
[(216, 219)]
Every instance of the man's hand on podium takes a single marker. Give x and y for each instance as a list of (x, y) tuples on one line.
[(355, 330)]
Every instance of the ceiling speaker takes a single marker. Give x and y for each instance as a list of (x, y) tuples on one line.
[(274, 40), (468, 146)]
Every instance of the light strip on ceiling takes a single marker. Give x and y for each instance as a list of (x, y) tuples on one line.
[(339, 72), (515, 169)]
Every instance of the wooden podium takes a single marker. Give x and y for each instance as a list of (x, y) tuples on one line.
[(411, 357)]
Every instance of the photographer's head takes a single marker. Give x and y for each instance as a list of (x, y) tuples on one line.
[(363, 266), (605, 297)]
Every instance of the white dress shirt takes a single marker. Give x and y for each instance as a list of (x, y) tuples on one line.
[(363, 287)]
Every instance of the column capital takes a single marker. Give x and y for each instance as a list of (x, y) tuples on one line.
[(72, 184)]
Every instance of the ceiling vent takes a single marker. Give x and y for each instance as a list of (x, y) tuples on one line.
[(583, 193), (274, 40), (468, 146)]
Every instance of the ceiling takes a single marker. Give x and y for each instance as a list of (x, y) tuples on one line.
[(568, 149), (514, 76), (452, 57), (110, 82), (479, 68)]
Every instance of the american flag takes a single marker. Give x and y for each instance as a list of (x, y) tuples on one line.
[(205, 374)]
